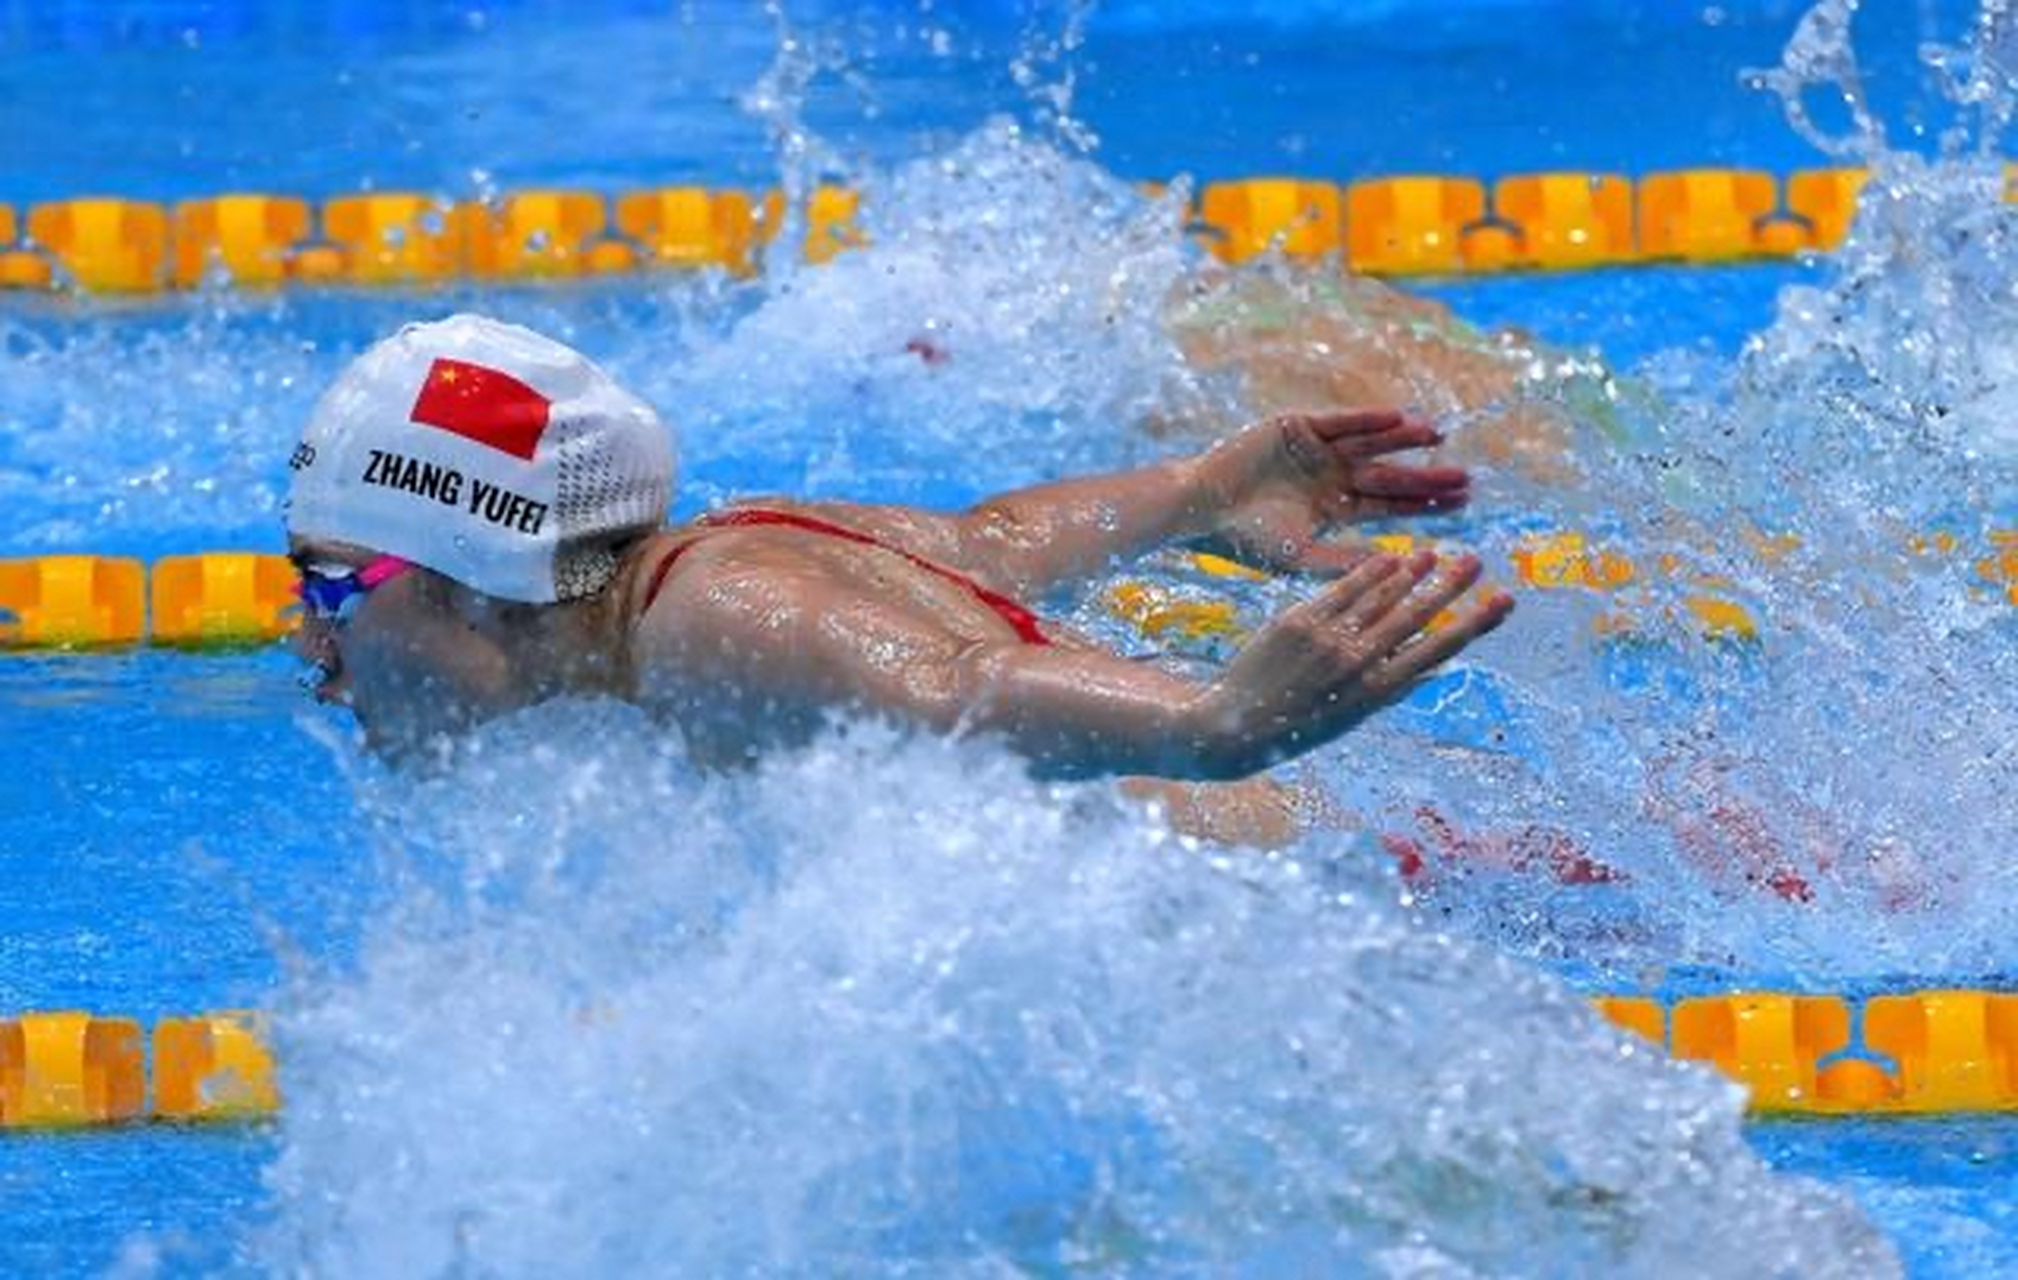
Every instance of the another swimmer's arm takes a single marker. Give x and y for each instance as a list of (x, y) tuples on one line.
[(1268, 492)]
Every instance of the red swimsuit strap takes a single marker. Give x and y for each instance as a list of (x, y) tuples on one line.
[(1021, 620)]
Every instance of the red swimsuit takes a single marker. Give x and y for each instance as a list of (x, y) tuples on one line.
[(1020, 619)]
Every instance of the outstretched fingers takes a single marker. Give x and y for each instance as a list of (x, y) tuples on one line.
[(1374, 603), (1337, 424), (1387, 489), (1427, 650), (1354, 434), (1390, 480), (1364, 579), (1447, 580)]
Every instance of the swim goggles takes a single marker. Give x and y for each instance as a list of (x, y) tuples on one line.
[(332, 593)]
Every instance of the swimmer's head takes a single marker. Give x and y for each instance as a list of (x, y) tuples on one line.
[(500, 459)]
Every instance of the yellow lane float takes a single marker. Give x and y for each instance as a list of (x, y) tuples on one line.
[(105, 245), (213, 1067), (1407, 225), (831, 223), (71, 602), (1160, 615), (1298, 219), (221, 598), (1567, 221), (70, 1068), (1711, 215), (690, 227), (20, 268), (1826, 199), (252, 239), (1918, 1053), (1410, 226), (535, 235), (392, 237)]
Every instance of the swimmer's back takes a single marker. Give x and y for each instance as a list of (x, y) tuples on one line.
[(834, 550)]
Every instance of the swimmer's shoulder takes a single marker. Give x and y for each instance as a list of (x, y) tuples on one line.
[(650, 568), (677, 563)]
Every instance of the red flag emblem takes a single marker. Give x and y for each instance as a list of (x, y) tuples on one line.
[(483, 405)]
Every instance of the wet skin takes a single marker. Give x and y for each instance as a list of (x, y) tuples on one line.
[(759, 633)]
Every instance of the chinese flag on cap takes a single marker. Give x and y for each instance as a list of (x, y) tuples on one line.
[(483, 405)]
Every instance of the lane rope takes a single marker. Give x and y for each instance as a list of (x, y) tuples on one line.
[(1922, 1053), (1382, 226), (239, 598), (70, 1069)]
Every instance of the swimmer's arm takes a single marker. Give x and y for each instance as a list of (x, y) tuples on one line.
[(1307, 676), (1268, 493), (735, 650), (746, 652)]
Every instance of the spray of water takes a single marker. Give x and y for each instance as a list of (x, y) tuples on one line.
[(1822, 804), (889, 1006)]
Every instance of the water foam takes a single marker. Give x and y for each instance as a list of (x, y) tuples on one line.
[(890, 1006), (1009, 305), (1826, 806)]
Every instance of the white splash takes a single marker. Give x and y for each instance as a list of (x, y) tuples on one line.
[(889, 1006)]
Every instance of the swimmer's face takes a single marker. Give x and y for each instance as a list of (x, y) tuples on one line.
[(402, 658), (318, 641)]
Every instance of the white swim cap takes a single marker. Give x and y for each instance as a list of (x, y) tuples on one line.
[(487, 453)]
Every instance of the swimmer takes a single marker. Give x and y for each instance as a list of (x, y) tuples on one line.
[(476, 512)]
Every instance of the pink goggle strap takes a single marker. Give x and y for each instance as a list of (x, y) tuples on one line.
[(383, 569)]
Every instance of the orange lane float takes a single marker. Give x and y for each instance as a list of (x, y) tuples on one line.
[(251, 239), (1712, 215), (537, 235), (1410, 225), (389, 238), (71, 602), (1918, 1053), (105, 245), (1567, 221), (693, 227), (1248, 218)]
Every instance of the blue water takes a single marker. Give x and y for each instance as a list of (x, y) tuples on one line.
[(187, 832), (170, 100)]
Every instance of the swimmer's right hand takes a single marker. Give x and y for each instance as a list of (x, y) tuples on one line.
[(1320, 668)]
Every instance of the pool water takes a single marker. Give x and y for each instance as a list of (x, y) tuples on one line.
[(555, 1001)]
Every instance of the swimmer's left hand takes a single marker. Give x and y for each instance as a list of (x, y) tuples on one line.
[(1283, 481)]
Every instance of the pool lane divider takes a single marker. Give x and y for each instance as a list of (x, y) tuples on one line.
[(71, 1069), (1919, 1053), (103, 602), (226, 598), (84, 602), (1412, 225), (1922, 1053)]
